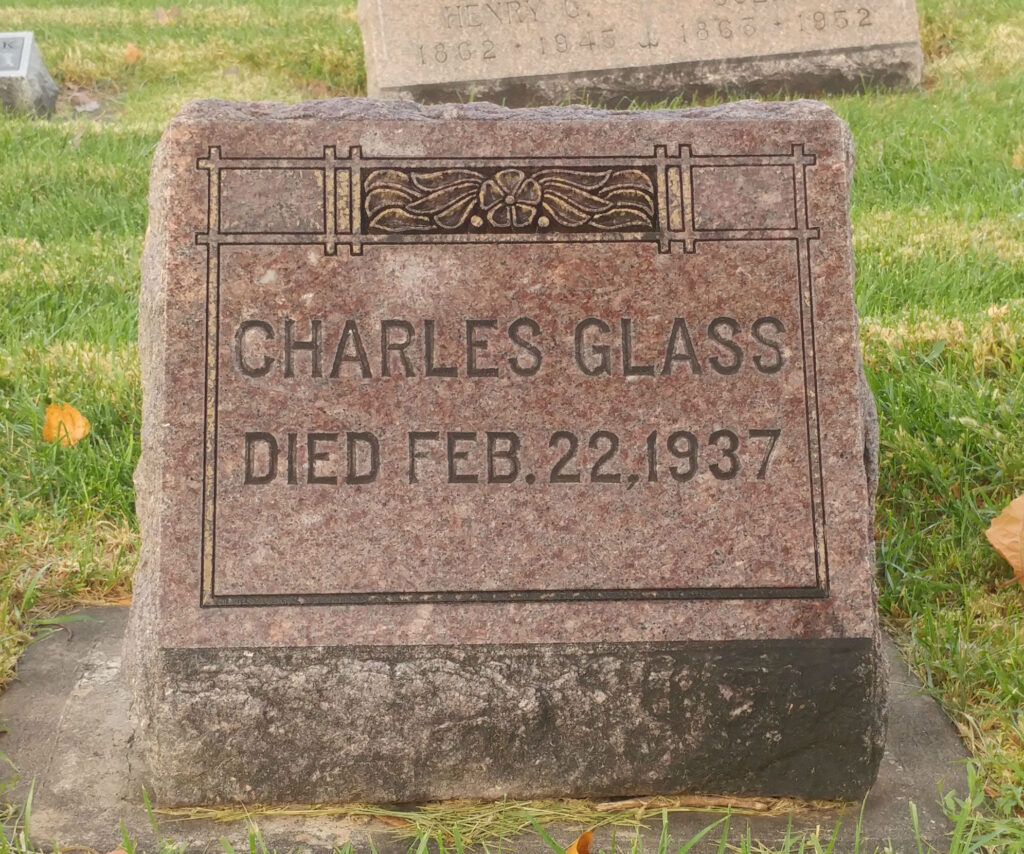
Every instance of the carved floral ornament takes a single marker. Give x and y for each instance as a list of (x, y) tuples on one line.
[(452, 199)]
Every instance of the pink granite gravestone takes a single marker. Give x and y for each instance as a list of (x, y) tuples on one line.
[(496, 452)]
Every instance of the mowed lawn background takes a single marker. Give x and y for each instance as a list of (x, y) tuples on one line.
[(938, 217)]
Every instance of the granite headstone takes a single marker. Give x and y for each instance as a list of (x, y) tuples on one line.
[(25, 84), (526, 52), (492, 452)]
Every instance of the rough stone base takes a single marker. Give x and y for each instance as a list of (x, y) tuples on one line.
[(69, 741), (797, 718), (850, 70)]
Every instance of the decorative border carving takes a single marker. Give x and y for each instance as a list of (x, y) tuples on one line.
[(370, 201), (507, 200)]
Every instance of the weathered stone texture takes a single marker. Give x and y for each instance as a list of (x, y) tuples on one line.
[(553, 51), (577, 720), (587, 479)]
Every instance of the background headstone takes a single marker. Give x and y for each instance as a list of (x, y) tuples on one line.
[(523, 52), (25, 84), (496, 452)]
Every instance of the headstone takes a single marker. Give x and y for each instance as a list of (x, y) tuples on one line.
[(524, 52), (496, 452), (25, 84)]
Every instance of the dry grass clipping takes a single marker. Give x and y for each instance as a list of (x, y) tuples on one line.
[(481, 822)]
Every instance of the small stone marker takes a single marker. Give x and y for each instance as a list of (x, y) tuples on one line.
[(497, 452), (25, 84), (522, 52)]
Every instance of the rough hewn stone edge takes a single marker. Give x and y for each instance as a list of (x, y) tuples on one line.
[(800, 718), (371, 109), (150, 503), (831, 71), (868, 408)]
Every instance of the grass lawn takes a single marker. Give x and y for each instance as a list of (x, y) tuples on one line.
[(938, 213)]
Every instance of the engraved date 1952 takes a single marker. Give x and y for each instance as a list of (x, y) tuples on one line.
[(735, 26)]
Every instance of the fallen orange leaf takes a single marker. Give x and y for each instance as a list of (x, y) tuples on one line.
[(132, 54), (1006, 533), (64, 424), (582, 844)]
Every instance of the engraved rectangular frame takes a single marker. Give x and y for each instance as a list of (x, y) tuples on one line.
[(673, 224)]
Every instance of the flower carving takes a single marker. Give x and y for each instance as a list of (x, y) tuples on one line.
[(510, 199), (400, 201)]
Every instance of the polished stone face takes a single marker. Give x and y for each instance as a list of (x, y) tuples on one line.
[(12, 48), (521, 52), (423, 382)]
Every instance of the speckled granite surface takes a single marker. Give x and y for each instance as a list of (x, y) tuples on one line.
[(459, 419)]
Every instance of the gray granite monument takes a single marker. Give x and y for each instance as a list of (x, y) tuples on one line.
[(25, 84), (525, 52)]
